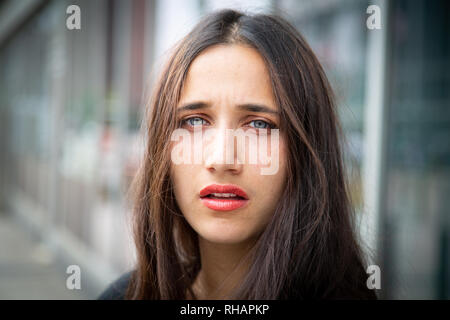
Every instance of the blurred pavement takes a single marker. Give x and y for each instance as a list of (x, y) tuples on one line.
[(28, 269)]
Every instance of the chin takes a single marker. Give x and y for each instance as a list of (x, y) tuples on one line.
[(221, 235)]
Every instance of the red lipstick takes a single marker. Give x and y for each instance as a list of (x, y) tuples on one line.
[(223, 197)]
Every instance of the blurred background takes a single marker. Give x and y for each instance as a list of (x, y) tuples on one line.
[(71, 103)]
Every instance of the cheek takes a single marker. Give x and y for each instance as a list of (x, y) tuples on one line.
[(179, 174), (182, 176), (272, 157), (270, 186), (180, 159)]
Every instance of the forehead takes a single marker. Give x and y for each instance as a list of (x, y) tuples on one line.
[(227, 72)]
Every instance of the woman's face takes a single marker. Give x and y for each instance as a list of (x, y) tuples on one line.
[(225, 88)]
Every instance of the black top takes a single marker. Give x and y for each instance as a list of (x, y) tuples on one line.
[(117, 289)]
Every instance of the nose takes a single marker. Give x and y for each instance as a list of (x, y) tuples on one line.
[(221, 155)]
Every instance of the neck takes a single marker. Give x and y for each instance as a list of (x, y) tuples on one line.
[(223, 267)]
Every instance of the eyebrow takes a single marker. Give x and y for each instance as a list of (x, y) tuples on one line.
[(246, 106)]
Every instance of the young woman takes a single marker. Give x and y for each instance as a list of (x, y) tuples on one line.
[(222, 229)]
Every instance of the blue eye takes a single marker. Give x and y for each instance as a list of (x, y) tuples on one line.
[(260, 124), (198, 121), (194, 121)]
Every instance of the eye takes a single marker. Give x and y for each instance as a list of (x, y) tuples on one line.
[(194, 121), (260, 124)]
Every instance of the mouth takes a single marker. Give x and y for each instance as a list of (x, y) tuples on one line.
[(223, 197)]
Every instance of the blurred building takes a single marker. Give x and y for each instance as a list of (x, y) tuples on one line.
[(71, 103)]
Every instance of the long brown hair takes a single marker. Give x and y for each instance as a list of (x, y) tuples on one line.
[(309, 249)]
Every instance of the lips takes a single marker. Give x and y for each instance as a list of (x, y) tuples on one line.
[(223, 197)]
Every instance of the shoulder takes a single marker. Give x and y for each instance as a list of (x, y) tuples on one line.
[(117, 289)]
